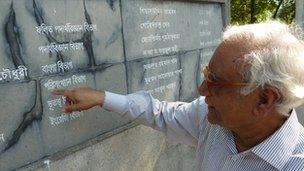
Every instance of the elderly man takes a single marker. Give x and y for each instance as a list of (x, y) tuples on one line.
[(245, 118)]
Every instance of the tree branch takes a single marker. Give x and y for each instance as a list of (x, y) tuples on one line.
[(277, 10)]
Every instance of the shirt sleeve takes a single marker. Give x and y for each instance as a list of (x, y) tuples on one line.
[(178, 120)]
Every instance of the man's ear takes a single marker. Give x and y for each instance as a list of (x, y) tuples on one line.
[(267, 99)]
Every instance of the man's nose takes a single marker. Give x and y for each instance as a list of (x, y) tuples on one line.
[(203, 89)]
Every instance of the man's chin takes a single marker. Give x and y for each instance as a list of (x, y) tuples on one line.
[(212, 117)]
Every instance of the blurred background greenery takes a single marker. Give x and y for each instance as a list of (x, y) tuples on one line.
[(252, 11)]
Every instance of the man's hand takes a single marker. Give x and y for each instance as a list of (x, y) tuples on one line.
[(81, 98)]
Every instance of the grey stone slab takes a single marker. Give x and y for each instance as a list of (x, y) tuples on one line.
[(210, 23), (135, 149), (176, 157), (11, 53), (300, 12), (108, 44), (102, 45), (160, 76), (154, 28), (190, 65), (205, 56), (30, 39), (201, 25), (111, 79), (5, 59), (60, 130), (17, 101)]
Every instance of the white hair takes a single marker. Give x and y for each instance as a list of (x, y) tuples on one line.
[(276, 59)]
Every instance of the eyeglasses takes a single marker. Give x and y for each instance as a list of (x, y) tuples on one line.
[(210, 77)]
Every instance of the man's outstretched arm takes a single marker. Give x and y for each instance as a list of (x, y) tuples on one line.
[(179, 121)]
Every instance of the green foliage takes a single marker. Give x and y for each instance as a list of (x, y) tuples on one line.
[(243, 12), (287, 13)]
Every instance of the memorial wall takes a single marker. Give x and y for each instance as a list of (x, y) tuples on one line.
[(120, 46), (300, 22), (300, 12)]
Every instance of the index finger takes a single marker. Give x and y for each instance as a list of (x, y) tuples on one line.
[(62, 92)]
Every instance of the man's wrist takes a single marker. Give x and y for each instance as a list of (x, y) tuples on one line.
[(101, 98)]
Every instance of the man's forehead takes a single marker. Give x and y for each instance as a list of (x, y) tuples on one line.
[(228, 61), (233, 51)]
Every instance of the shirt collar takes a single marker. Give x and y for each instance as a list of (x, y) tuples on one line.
[(278, 148)]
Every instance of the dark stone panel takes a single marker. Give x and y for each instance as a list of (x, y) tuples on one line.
[(160, 76), (154, 28), (20, 140), (190, 65)]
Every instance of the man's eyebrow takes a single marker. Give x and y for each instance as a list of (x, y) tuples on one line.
[(215, 77)]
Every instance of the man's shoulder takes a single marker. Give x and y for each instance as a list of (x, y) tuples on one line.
[(299, 150), (296, 161)]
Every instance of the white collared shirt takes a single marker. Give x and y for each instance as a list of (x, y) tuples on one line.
[(216, 151)]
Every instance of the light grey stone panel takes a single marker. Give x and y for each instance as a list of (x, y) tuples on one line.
[(111, 79), (60, 130), (154, 28), (20, 141), (108, 44), (160, 76), (102, 45), (135, 149), (5, 59), (300, 12), (176, 157), (209, 24), (200, 24), (302, 22)]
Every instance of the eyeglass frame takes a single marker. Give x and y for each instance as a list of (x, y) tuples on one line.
[(210, 83)]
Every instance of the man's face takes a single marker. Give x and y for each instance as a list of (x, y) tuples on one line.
[(226, 106)]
